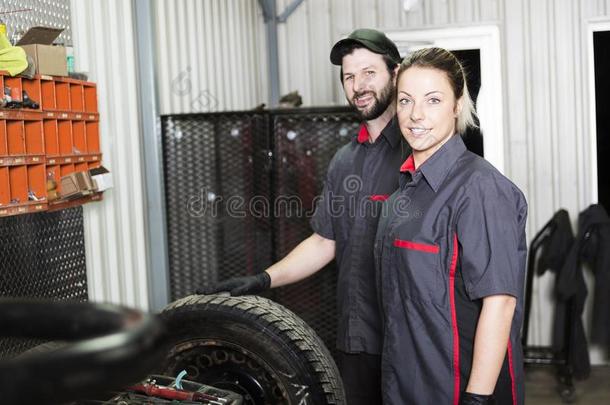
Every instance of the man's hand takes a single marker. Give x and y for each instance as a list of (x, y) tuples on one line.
[(468, 398), (248, 285)]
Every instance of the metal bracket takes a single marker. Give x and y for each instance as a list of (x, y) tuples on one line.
[(291, 8), (269, 10), (271, 20)]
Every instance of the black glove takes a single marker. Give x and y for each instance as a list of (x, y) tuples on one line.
[(468, 398), (248, 285)]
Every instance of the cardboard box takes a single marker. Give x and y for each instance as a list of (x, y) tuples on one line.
[(102, 178), (49, 60), (76, 184)]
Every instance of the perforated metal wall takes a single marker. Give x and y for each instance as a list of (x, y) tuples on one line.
[(42, 256), (305, 142), (47, 13), (240, 189), (216, 167)]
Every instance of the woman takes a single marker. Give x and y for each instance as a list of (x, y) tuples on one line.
[(451, 253)]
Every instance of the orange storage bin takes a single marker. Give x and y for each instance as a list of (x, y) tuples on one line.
[(66, 169), (62, 96), (54, 173), (78, 135), (5, 190), (32, 88), (64, 132), (34, 138), (90, 98), (3, 140), (93, 136), (18, 179), (81, 167), (37, 182), (47, 89), (51, 140), (15, 137), (77, 98), (94, 165), (14, 83)]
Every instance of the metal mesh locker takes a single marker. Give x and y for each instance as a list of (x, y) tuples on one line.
[(42, 256), (304, 143), (215, 165)]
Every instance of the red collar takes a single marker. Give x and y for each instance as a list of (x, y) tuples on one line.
[(408, 165), (363, 134)]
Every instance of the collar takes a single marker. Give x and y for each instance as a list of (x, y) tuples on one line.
[(437, 166), (391, 133)]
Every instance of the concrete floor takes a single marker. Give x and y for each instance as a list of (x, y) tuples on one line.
[(541, 387)]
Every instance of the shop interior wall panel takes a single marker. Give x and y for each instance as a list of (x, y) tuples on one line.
[(41, 256)]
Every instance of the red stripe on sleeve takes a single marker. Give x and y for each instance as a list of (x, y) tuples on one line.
[(512, 372), (456, 336)]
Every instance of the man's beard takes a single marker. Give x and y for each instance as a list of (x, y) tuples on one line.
[(386, 97)]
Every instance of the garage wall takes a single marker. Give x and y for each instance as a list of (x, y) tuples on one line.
[(211, 55), (103, 33)]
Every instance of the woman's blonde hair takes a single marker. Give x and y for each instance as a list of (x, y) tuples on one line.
[(443, 60)]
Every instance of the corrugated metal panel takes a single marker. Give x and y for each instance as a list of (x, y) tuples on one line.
[(114, 228), (305, 40), (210, 55)]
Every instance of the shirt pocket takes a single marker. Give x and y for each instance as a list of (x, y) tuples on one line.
[(418, 270)]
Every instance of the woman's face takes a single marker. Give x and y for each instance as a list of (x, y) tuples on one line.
[(426, 108)]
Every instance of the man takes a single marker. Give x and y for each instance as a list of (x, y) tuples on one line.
[(361, 175)]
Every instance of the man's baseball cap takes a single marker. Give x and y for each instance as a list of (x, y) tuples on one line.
[(372, 40)]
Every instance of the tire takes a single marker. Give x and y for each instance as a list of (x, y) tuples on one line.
[(252, 346)]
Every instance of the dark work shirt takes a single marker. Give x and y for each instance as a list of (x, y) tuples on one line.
[(454, 233), (360, 177)]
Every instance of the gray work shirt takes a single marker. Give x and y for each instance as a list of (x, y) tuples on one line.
[(454, 233), (360, 177)]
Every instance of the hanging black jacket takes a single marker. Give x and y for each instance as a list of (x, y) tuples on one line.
[(571, 293), (595, 251), (556, 245), (557, 248)]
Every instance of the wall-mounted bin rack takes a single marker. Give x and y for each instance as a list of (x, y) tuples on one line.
[(49, 127)]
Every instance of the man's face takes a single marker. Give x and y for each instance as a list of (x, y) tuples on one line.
[(367, 83)]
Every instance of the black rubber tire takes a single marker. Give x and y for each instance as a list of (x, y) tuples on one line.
[(242, 334)]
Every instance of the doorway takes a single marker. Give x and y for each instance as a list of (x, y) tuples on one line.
[(601, 66)]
